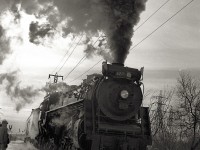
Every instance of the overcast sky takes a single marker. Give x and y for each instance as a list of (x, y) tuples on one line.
[(173, 47)]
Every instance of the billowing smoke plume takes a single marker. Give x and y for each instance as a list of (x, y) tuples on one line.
[(116, 18), (123, 16), (37, 32), (20, 95), (4, 45)]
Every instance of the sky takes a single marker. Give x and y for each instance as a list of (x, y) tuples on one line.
[(172, 48)]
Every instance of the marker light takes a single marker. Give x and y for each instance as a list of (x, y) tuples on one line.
[(124, 94)]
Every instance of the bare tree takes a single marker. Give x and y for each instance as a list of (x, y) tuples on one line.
[(188, 92)]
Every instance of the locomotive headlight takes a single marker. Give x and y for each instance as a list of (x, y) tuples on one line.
[(124, 94)]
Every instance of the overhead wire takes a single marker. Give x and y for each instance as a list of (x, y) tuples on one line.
[(82, 59), (71, 53), (152, 15), (86, 71), (162, 24), (64, 56)]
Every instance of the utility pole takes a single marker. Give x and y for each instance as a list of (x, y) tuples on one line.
[(159, 111), (56, 76)]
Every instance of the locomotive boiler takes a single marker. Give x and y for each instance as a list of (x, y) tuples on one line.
[(103, 113)]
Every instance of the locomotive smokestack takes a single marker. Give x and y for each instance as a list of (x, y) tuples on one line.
[(119, 64)]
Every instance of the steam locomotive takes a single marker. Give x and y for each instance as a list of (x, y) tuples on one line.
[(103, 113)]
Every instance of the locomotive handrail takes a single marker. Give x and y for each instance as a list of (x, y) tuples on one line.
[(65, 106)]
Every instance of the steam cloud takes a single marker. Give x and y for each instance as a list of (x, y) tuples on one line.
[(20, 95), (60, 86), (62, 120)]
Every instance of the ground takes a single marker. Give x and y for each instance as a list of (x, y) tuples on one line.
[(20, 145)]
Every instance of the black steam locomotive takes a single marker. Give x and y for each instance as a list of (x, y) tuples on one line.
[(103, 113)]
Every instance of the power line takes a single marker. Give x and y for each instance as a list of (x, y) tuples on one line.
[(162, 24), (71, 53), (82, 59), (86, 71), (152, 14), (64, 56)]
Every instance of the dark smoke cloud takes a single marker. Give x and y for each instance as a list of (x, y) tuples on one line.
[(124, 16), (99, 48), (92, 50), (116, 18), (66, 31), (37, 32), (4, 45), (21, 96)]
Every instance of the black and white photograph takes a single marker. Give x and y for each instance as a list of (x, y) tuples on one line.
[(99, 75)]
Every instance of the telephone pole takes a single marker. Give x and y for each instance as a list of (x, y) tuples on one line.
[(56, 76)]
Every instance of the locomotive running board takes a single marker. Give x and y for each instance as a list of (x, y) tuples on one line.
[(68, 105)]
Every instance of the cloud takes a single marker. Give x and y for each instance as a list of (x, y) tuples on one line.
[(21, 96)]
